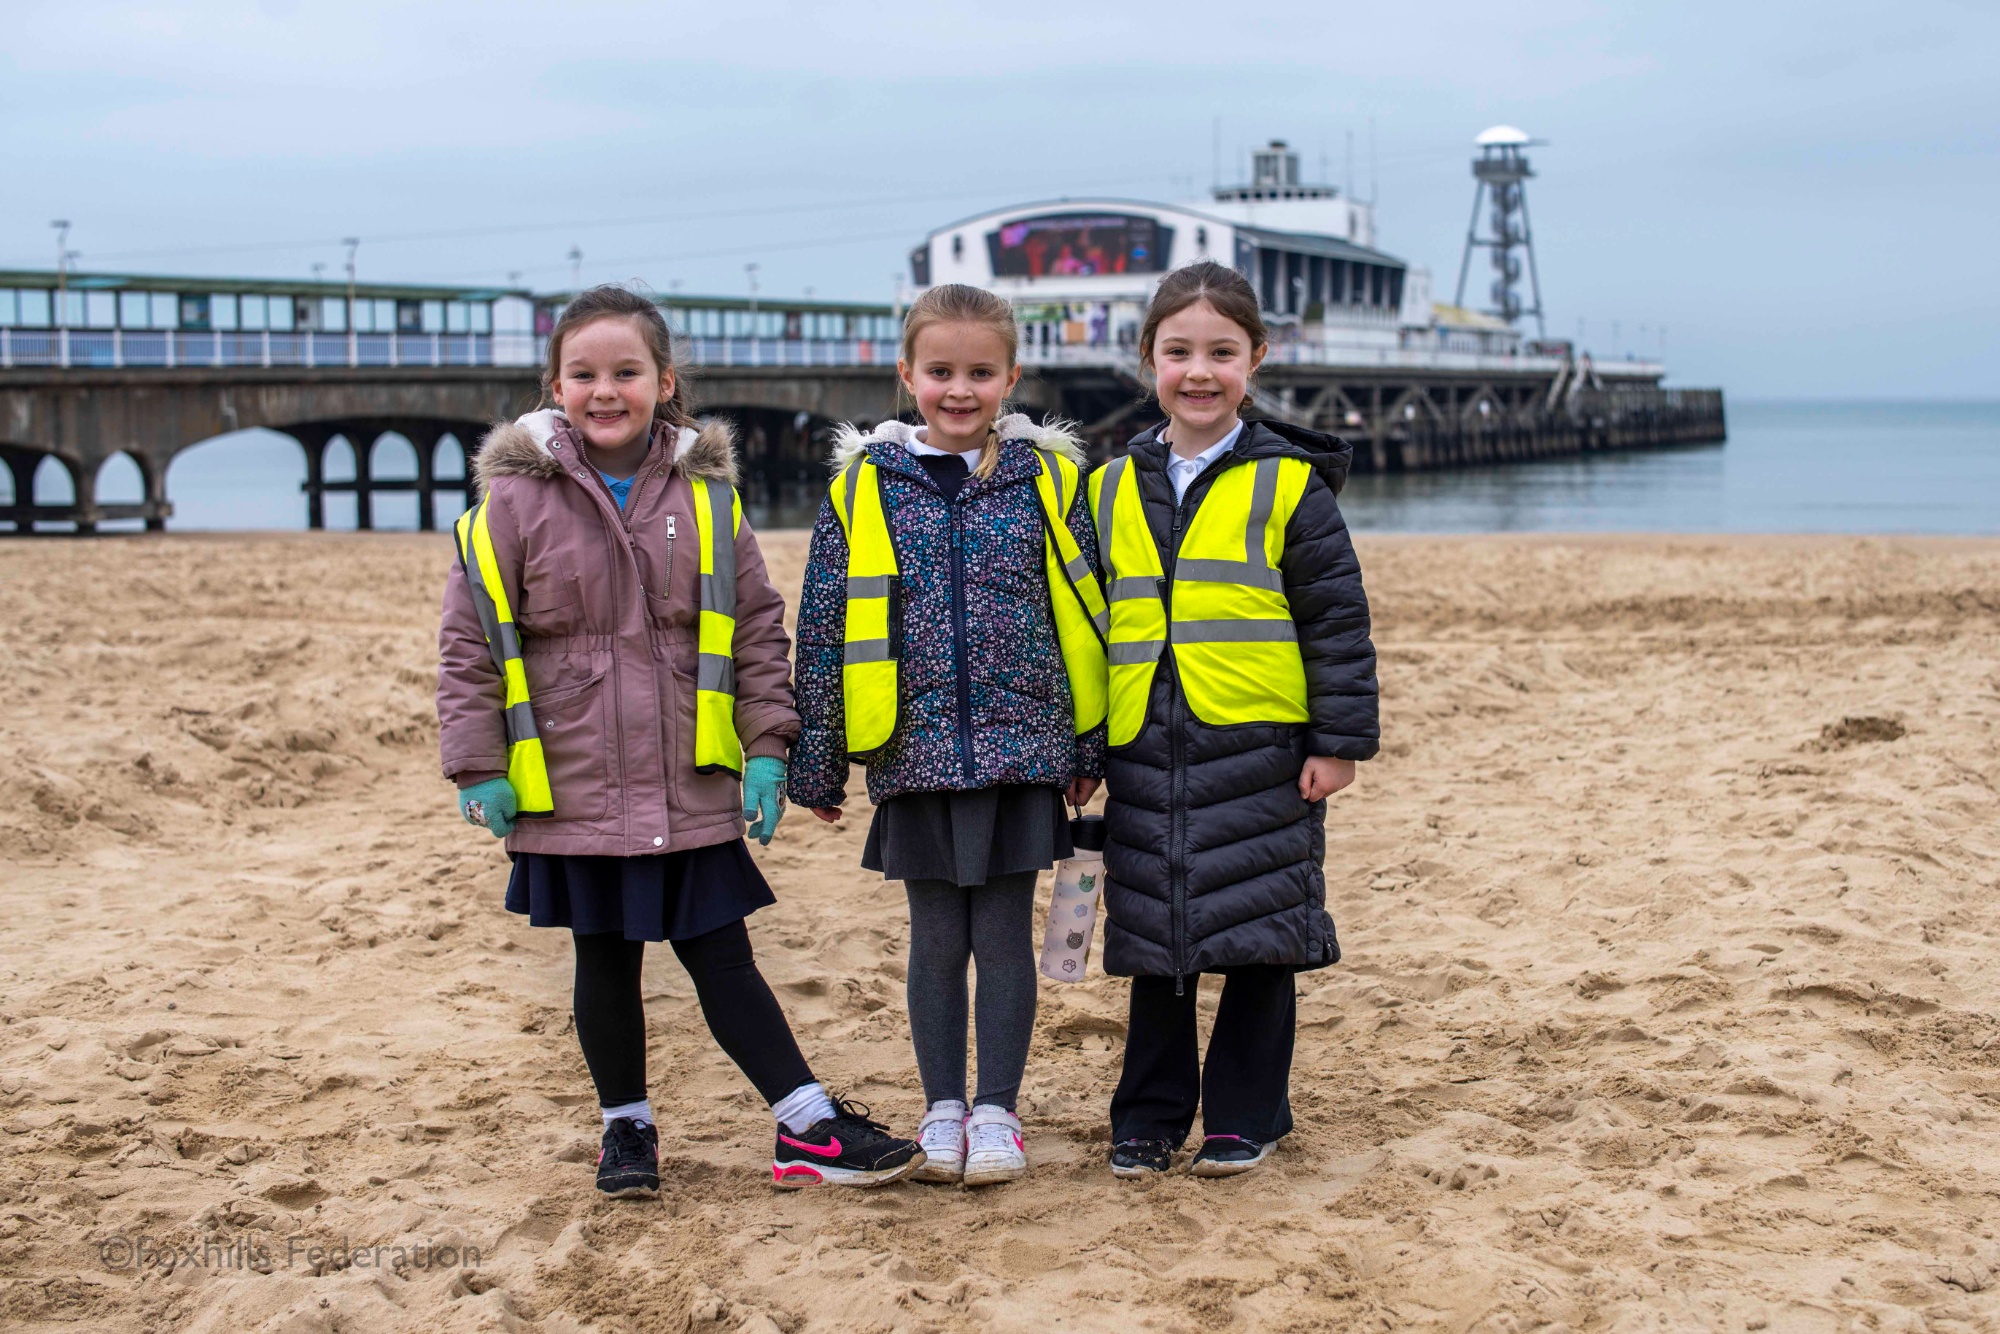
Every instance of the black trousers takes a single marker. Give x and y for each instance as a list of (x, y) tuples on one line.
[(737, 1002), (1245, 1087)]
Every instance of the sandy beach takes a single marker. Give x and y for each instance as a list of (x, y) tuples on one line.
[(1670, 999)]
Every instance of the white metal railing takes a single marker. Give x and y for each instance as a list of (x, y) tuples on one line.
[(1112, 357), (1105, 356), (118, 348), (790, 351)]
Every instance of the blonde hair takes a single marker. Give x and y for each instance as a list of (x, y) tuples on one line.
[(957, 303)]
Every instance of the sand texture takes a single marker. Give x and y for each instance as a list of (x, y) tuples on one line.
[(1670, 999)]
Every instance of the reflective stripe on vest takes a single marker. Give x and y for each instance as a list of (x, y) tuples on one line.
[(527, 773), (1235, 643), (1082, 619), (870, 676), (718, 517)]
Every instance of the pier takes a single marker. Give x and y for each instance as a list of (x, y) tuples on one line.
[(437, 366)]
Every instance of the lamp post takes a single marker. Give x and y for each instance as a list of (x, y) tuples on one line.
[(63, 254), (353, 243)]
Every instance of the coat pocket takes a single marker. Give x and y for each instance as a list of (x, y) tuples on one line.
[(696, 793), (573, 731)]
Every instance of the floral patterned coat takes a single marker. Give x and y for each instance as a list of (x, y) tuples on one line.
[(985, 698)]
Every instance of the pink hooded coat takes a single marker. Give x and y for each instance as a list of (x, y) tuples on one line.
[(606, 602)]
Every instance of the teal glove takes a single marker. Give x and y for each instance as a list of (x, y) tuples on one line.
[(490, 805), (763, 796)]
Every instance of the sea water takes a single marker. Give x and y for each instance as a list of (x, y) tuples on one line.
[(1856, 467)]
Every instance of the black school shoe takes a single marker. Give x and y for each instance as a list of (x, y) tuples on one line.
[(1133, 1159), (1228, 1156), (628, 1166), (845, 1149)]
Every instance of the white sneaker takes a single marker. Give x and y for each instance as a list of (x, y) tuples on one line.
[(943, 1139), (995, 1151)]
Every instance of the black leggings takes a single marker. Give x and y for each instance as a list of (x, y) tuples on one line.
[(735, 999)]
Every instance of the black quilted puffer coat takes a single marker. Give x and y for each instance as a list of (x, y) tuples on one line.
[(1213, 859)]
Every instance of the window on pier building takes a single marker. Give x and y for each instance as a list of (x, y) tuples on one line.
[(333, 314), (482, 317), (375, 316), (432, 317), (457, 317), (222, 311), (250, 312)]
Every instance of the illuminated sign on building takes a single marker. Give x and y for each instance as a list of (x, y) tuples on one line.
[(1078, 245)]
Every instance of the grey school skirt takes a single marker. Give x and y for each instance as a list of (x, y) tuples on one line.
[(968, 838)]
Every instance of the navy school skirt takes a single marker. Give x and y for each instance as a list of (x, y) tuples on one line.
[(671, 896)]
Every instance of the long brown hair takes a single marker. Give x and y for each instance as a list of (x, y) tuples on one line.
[(1224, 289), (610, 301), (956, 303)]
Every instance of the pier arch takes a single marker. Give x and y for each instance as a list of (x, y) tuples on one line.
[(123, 480)]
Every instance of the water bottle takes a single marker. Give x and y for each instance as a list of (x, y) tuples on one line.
[(1073, 907)]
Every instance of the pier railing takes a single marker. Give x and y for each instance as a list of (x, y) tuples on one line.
[(119, 348)]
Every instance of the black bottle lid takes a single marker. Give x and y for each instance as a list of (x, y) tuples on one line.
[(1086, 832)]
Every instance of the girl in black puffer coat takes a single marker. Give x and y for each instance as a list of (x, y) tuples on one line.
[(1231, 742)]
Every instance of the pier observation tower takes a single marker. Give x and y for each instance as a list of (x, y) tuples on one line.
[(1501, 172)]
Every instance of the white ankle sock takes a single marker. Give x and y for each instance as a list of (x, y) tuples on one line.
[(803, 1108), (640, 1111)]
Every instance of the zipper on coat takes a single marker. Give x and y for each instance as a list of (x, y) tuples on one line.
[(958, 650), (667, 580)]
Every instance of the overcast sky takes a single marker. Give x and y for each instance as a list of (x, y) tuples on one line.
[(1803, 195)]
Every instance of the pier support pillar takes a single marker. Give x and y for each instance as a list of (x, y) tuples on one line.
[(154, 474), (83, 483), (423, 438), (313, 440), (362, 442)]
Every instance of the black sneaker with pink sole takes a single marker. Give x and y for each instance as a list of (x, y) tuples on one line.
[(845, 1149)]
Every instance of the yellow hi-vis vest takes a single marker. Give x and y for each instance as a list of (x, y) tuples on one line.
[(718, 510), (1235, 644), (527, 774), (718, 515), (870, 673)]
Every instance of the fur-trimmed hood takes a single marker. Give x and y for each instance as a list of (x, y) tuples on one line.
[(850, 441), (520, 448)]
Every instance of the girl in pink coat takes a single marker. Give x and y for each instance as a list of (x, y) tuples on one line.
[(615, 699)]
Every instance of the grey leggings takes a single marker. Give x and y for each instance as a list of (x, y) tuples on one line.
[(950, 924)]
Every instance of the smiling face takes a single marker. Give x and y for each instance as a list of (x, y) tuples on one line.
[(959, 373), (1203, 361), (608, 383)]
